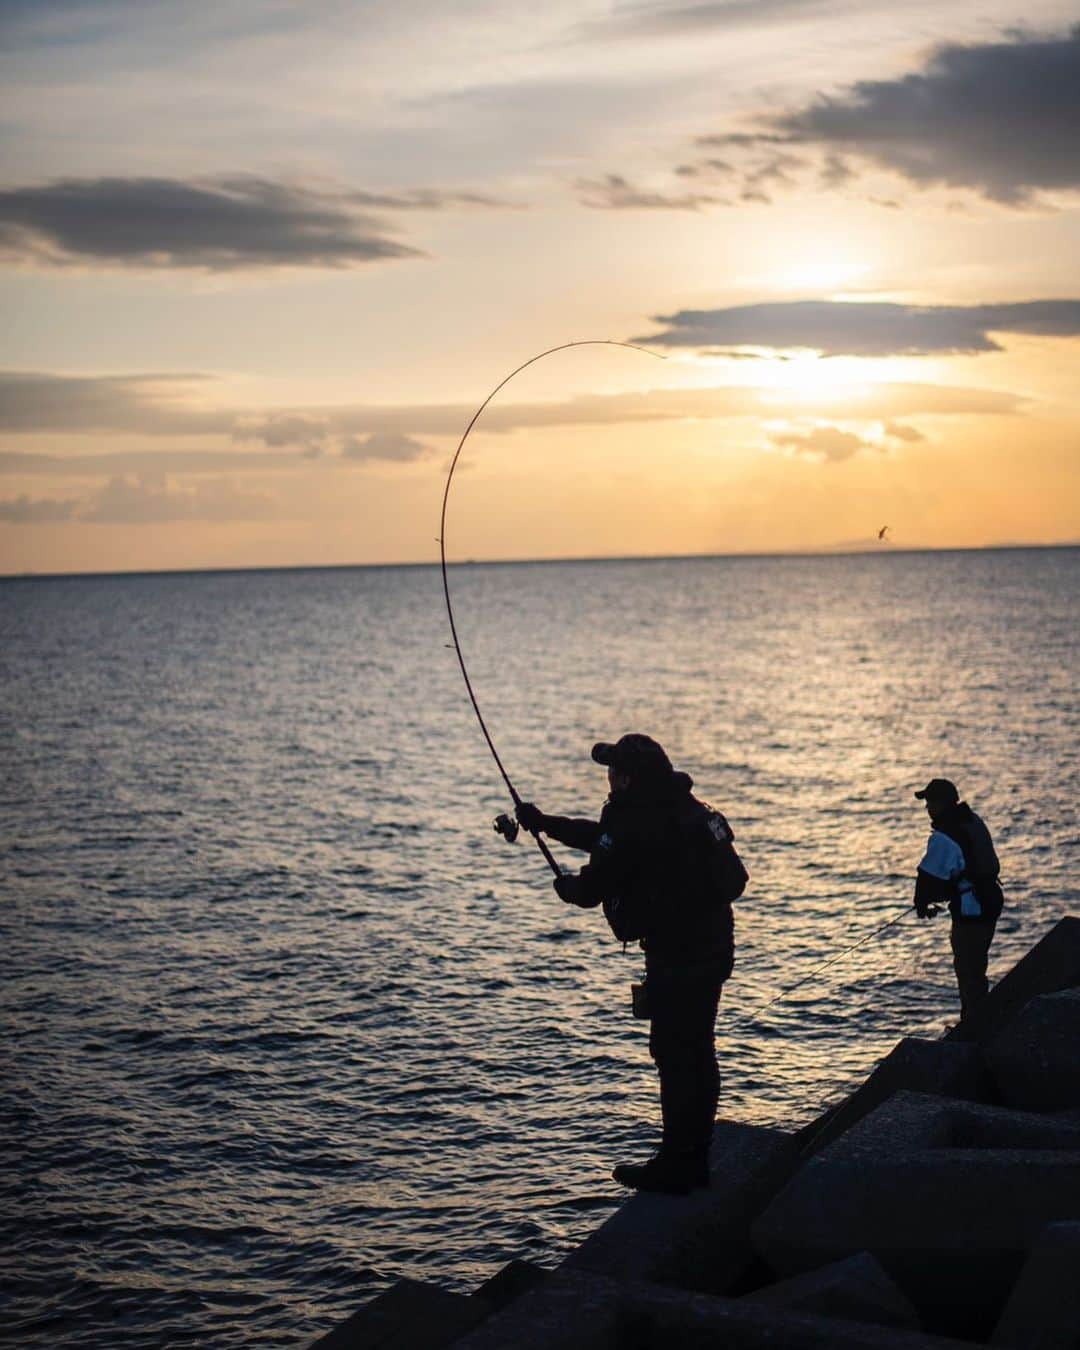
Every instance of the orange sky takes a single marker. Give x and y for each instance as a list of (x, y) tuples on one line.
[(252, 336)]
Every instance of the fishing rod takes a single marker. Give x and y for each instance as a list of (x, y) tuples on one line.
[(505, 825), (764, 1007)]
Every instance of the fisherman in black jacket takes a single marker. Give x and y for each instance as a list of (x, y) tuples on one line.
[(960, 869), (662, 866)]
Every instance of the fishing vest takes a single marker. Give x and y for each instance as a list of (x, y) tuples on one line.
[(976, 893)]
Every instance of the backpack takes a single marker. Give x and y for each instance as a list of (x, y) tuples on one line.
[(722, 868)]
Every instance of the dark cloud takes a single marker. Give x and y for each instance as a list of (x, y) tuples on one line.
[(1002, 118), (222, 224), (613, 193), (36, 511), (875, 328), (385, 445)]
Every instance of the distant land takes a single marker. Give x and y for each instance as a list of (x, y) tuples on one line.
[(835, 551)]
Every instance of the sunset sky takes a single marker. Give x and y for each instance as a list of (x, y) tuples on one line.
[(261, 261)]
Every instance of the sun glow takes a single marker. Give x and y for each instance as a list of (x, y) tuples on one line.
[(821, 275), (807, 377)]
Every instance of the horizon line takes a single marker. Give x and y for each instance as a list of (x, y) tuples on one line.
[(828, 552)]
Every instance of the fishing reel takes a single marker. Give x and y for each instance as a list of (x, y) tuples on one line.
[(507, 826)]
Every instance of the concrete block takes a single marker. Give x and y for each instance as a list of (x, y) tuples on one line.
[(580, 1310), (701, 1240), (514, 1279), (1036, 1059), (948, 1196), (410, 1315), (1043, 1311), (658, 1319), (1051, 965), (946, 1069), (569, 1311), (856, 1288)]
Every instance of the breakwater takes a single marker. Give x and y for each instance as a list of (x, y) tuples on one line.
[(937, 1205)]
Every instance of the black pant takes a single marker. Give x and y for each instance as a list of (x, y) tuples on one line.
[(970, 940), (682, 1040)]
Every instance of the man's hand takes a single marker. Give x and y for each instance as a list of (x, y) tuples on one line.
[(530, 817), (568, 888), (925, 911)]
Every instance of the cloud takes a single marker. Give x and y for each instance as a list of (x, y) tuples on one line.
[(32, 401), (426, 199), (613, 193), (667, 20), (871, 328), (1000, 118), (388, 445), (146, 502), (140, 462), (829, 444), (40, 511), (898, 432), (304, 431), (38, 403), (221, 224)]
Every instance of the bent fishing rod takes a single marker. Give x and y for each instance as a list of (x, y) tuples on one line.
[(505, 825)]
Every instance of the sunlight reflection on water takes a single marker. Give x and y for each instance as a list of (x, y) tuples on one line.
[(286, 1020)]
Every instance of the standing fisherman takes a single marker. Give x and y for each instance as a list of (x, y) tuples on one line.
[(662, 865), (960, 868)]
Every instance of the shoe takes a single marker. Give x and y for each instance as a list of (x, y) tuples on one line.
[(663, 1176)]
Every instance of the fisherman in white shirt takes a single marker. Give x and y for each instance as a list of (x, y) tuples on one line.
[(960, 869)]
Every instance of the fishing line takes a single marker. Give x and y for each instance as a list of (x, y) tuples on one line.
[(586, 342), (756, 1012)]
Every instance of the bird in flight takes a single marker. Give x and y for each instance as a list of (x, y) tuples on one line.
[(883, 533)]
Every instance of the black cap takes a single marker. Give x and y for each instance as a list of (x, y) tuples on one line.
[(939, 790), (634, 754)]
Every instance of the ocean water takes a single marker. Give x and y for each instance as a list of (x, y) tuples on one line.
[(283, 1018)]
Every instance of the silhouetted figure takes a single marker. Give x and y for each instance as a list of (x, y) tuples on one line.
[(662, 865), (883, 533), (960, 869)]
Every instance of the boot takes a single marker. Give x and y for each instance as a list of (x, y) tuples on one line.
[(664, 1174)]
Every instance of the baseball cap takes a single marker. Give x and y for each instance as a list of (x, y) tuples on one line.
[(939, 790), (634, 754)]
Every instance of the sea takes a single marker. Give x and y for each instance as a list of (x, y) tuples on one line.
[(285, 1019)]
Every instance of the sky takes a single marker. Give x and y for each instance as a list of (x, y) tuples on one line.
[(262, 260)]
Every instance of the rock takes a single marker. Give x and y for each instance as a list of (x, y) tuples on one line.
[(1036, 1059), (569, 1311), (701, 1240), (947, 1196), (855, 1288), (1052, 964), (410, 1315), (509, 1283), (1043, 1311), (579, 1310), (944, 1068)]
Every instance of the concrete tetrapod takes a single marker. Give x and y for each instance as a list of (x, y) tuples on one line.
[(948, 1196)]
